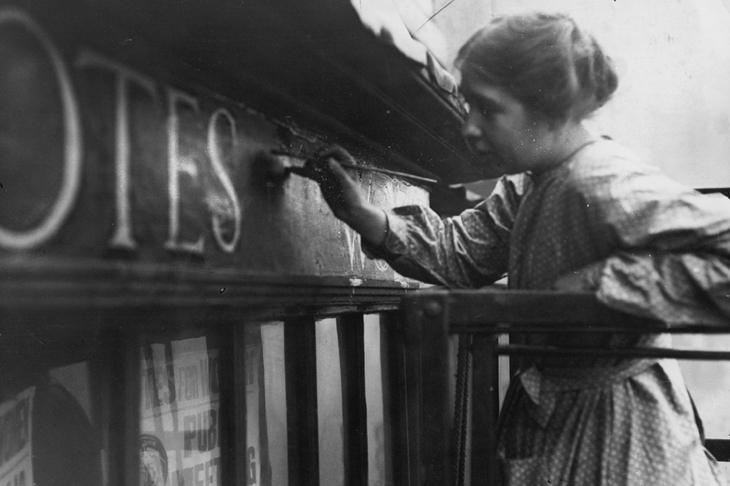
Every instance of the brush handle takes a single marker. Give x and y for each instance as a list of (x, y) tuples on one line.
[(404, 175)]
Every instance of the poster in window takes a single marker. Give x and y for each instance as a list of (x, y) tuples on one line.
[(253, 414), (180, 428), (16, 428)]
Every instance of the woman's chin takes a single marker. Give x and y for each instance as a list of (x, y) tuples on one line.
[(491, 165)]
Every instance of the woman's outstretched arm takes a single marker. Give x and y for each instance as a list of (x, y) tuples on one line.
[(344, 197), (465, 251)]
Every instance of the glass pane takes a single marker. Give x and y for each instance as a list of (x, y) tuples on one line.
[(255, 414), (16, 460), (64, 409), (48, 434), (329, 405), (379, 457), (266, 433), (75, 378), (272, 340), (180, 429)]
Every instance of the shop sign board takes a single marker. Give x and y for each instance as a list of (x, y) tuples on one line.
[(104, 159)]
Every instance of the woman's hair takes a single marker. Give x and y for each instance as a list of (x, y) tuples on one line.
[(557, 70)]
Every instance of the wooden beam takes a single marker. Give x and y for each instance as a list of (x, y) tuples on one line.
[(354, 408), (301, 402)]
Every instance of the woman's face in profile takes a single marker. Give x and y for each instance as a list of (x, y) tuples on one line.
[(505, 136)]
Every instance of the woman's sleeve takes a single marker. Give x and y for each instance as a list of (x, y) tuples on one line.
[(466, 251), (673, 260)]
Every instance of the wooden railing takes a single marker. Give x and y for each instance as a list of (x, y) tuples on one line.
[(432, 316)]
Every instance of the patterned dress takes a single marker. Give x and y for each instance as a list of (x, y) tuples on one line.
[(645, 245)]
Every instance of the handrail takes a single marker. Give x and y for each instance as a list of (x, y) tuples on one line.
[(432, 315), (555, 311)]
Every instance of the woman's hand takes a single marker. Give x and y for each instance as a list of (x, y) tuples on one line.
[(343, 195), (341, 191)]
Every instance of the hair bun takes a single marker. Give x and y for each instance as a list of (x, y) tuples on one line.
[(545, 61)]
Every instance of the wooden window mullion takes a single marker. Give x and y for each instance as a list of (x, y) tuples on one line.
[(301, 401), (352, 363)]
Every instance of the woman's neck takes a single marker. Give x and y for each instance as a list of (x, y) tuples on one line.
[(566, 141)]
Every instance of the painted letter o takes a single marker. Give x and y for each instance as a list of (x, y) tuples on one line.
[(55, 217)]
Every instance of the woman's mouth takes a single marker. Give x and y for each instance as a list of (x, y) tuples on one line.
[(480, 149), (486, 154)]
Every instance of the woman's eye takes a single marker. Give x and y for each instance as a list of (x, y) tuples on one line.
[(487, 112)]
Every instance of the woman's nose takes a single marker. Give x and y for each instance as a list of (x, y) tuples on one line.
[(470, 130)]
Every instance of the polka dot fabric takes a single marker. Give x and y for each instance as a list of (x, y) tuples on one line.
[(632, 424), (646, 245)]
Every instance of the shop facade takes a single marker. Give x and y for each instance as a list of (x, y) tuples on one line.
[(170, 313)]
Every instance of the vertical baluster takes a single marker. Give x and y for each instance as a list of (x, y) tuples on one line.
[(352, 364), (485, 467), (428, 387)]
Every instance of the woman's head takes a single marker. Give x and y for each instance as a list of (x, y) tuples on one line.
[(545, 61)]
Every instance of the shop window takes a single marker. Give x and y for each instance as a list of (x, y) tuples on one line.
[(378, 424), (180, 424), (266, 414), (329, 404), (296, 376), (48, 435), (16, 425)]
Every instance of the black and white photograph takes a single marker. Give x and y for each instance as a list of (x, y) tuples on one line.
[(364, 242)]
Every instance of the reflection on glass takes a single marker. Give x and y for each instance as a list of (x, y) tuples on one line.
[(16, 460), (180, 429), (255, 410), (272, 340), (48, 431), (76, 379), (266, 433), (329, 405), (379, 471)]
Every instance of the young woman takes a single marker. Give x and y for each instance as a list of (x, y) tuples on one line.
[(572, 211)]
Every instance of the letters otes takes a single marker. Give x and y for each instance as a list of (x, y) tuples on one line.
[(225, 223)]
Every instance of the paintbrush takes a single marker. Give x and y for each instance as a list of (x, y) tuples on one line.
[(307, 173)]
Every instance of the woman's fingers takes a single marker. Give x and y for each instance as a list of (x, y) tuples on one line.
[(344, 196), (325, 170), (336, 152)]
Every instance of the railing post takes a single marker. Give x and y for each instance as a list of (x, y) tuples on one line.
[(427, 382), (395, 382), (301, 401), (350, 332), (484, 464)]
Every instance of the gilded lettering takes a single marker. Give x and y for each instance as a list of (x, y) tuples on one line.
[(72, 150), (219, 213), (175, 165), (123, 235)]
